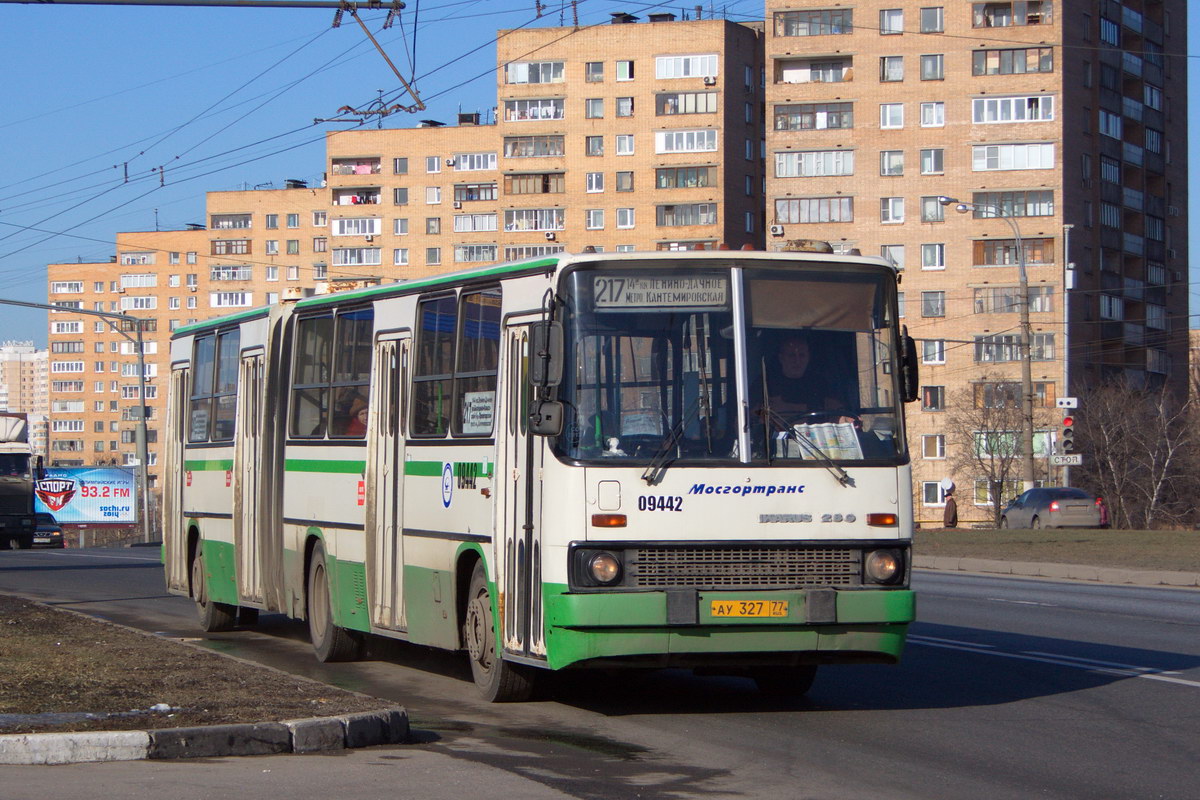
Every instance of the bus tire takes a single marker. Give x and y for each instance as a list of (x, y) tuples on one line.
[(214, 617), (785, 681), (330, 642), (499, 681)]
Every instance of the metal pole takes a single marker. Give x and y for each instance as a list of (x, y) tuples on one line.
[(140, 439), (1068, 280)]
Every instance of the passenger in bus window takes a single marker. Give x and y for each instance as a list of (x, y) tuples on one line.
[(350, 419), (800, 385)]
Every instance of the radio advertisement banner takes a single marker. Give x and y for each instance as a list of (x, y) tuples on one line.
[(94, 495)]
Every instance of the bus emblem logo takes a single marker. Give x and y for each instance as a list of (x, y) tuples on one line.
[(447, 484)]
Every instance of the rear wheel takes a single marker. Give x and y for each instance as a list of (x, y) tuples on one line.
[(213, 616), (331, 642), (499, 681), (785, 681)]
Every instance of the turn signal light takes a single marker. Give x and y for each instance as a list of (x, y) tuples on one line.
[(608, 520), (883, 520)]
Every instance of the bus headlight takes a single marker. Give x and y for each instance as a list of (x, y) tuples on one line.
[(884, 566), (605, 569)]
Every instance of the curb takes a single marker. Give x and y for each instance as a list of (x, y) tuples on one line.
[(1074, 572), (319, 734)]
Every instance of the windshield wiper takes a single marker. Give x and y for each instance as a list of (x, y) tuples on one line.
[(659, 463), (819, 455)]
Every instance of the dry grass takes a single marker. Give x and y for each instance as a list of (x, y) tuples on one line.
[(1166, 550), (55, 661)]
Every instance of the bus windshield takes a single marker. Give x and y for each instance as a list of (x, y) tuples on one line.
[(652, 368)]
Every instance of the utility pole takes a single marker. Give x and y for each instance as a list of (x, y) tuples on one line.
[(140, 432), (1026, 342)]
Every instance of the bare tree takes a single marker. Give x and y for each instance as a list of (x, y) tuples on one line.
[(1140, 452), (984, 427)]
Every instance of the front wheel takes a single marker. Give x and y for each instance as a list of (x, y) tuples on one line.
[(331, 642), (785, 681), (213, 616), (499, 681)]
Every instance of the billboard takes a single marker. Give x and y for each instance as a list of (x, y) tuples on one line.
[(87, 494)]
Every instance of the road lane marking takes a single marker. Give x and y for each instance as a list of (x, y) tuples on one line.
[(111, 558), (1125, 671), (1022, 602)]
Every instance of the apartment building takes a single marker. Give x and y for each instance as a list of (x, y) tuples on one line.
[(630, 136), (24, 389), (1058, 121)]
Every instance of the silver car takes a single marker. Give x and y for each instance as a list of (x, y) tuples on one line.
[(1053, 507)]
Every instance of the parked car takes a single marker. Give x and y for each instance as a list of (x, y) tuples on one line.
[(48, 533), (1054, 507)]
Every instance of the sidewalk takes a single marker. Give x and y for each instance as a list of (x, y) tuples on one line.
[(1075, 572)]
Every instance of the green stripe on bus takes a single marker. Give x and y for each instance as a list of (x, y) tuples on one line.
[(433, 469), (219, 465), (323, 465)]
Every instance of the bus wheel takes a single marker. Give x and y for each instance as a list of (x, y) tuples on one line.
[(499, 681), (331, 643), (213, 616), (785, 681)]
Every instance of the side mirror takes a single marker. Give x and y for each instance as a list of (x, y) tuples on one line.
[(909, 375), (546, 417), (546, 346)]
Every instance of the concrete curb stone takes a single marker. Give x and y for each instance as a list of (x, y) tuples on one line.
[(1075, 572), (367, 729)]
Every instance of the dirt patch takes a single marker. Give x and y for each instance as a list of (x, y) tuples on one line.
[(1177, 551), (64, 671)]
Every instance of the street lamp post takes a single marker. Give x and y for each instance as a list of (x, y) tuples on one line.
[(140, 433), (1026, 343)]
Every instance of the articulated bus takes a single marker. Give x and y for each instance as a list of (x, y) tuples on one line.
[(573, 461)]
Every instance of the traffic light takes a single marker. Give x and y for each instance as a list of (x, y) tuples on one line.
[(1067, 437)]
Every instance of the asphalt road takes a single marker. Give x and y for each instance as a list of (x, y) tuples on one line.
[(1009, 688)]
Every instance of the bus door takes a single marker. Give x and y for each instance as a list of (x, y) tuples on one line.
[(175, 552), (517, 480), (249, 459), (384, 484)]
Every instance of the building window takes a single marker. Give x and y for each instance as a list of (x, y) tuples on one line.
[(594, 145), (625, 218), (933, 446), (933, 115), (593, 72), (685, 177), (814, 210), (400, 256), (891, 21), (625, 70), (891, 115), (433, 225), (693, 66), (534, 72), (533, 146), (400, 196), (1026, 108), (668, 104), (893, 253), (1012, 62), (624, 106), (594, 219), (685, 141), (933, 20), (595, 182), (399, 167), (534, 219), (433, 256), (891, 162), (933, 67), (1012, 156), (271, 221), (933, 398), (932, 210), (433, 164), (533, 109), (1012, 12), (933, 304), (814, 116), (891, 210), (1038, 203), (624, 144), (474, 162), (824, 22), (933, 351), (593, 108), (474, 253), (891, 69), (537, 183), (433, 195), (686, 214), (814, 163), (625, 181), (933, 161), (400, 227), (933, 256), (1003, 252)]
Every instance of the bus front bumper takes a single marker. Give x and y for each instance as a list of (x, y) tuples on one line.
[(691, 628)]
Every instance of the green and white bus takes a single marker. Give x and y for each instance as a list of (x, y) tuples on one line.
[(563, 462)]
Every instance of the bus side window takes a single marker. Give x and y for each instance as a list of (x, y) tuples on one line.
[(352, 374), (225, 390), (478, 360), (200, 407), (433, 373), (310, 376)]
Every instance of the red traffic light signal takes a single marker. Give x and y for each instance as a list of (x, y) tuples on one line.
[(1067, 437), (1068, 421)]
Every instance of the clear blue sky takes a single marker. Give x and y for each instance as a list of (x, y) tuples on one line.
[(225, 99)]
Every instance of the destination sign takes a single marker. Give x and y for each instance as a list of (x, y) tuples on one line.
[(642, 293)]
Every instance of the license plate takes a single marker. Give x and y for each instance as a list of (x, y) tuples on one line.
[(41, 540), (749, 608)]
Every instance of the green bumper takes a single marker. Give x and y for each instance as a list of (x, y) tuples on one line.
[(867, 626)]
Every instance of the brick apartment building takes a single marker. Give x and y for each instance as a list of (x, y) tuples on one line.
[(1067, 116)]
